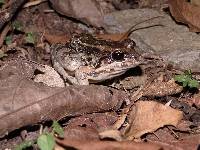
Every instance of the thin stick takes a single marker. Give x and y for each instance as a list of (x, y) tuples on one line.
[(4, 33), (131, 29), (33, 3)]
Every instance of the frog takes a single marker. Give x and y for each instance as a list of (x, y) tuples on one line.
[(87, 59)]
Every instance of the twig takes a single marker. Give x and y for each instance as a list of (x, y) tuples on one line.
[(131, 28), (176, 136), (4, 33), (6, 15), (6, 4), (33, 3)]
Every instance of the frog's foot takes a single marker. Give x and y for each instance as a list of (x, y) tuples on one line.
[(83, 74), (64, 74)]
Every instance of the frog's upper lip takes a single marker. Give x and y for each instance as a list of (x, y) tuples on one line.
[(124, 65)]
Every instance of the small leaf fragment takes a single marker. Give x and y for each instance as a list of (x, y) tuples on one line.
[(193, 83), (46, 141), (8, 40), (180, 78), (24, 145), (58, 129), (187, 80), (17, 25), (2, 54), (30, 38), (1, 2)]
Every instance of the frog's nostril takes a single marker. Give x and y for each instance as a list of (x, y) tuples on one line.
[(117, 55)]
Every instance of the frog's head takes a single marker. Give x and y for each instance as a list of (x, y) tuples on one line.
[(117, 61)]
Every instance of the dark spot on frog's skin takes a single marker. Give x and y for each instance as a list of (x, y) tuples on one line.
[(112, 70), (89, 40), (89, 59), (111, 92), (93, 73)]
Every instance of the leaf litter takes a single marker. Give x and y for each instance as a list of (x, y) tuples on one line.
[(107, 119), (187, 13)]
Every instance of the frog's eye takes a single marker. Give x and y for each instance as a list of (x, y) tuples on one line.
[(117, 55)]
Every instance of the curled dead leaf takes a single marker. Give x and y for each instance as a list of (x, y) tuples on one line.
[(53, 39), (87, 11), (111, 134), (186, 13), (109, 145), (148, 116), (34, 102)]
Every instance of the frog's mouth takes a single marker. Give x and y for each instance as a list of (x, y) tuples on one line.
[(113, 69)]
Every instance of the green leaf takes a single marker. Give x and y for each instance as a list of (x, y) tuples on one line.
[(17, 25), (180, 78), (185, 84), (188, 73), (2, 2), (30, 38), (2, 54), (58, 129), (24, 145), (8, 40), (46, 141), (193, 83), (186, 79)]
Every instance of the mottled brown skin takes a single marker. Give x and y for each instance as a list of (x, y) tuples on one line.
[(87, 59)]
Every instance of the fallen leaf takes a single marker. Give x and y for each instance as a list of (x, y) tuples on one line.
[(195, 2), (110, 145), (186, 13), (53, 39), (190, 142), (195, 100), (33, 102), (81, 133), (87, 11), (187, 142), (111, 134), (86, 127), (148, 116)]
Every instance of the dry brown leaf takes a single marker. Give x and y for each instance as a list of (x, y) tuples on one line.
[(149, 116), (195, 100), (53, 39), (111, 134), (195, 2), (109, 145), (186, 142), (81, 133), (186, 13), (87, 11), (33, 102), (87, 127), (190, 142)]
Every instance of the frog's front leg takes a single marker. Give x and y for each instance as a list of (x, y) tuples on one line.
[(64, 74), (82, 75)]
